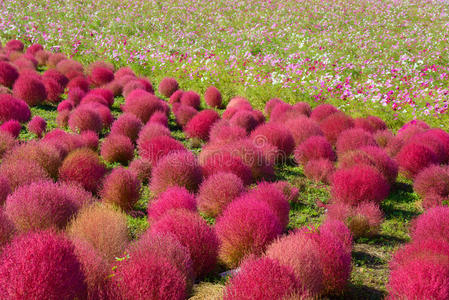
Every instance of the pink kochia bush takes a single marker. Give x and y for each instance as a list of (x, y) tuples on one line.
[(225, 162), (117, 148), (13, 109), (315, 147), (8, 74), (168, 86), (84, 167), (200, 125), (142, 106), (7, 230), (191, 98), (334, 125), (212, 97), (193, 233), (432, 183), (263, 279), (121, 188), (22, 172), (319, 170), (41, 265), (172, 198), (151, 130), (217, 191), (276, 135), (128, 125), (322, 111), (246, 227), (37, 126), (159, 117), (29, 89), (176, 169), (41, 205), (12, 127), (223, 131), (431, 224), (159, 147), (357, 184), (413, 158), (85, 118), (5, 189), (183, 114), (353, 139), (141, 168)]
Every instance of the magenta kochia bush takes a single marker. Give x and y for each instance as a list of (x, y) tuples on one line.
[(200, 125), (225, 162), (434, 223), (271, 104), (40, 205), (7, 142), (141, 168), (54, 90), (128, 125), (12, 127), (319, 170), (117, 148), (159, 117), (176, 169), (41, 265), (168, 86), (357, 184), (150, 131), (191, 98), (263, 279), (334, 125), (5, 189), (60, 78), (7, 230), (212, 97), (193, 233), (183, 114), (353, 139), (22, 172), (143, 106), (101, 76), (413, 158), (246, 227), (37, 126), (29, 89), (121, 187), (159, 147), (8, 74), (276, 135), (172, 198), (244, 119), (84, 167), (433, 180), (13, 109), (89, 139), (315, 147), (217, 191), (370, 123), (322, 111), (223, 131), (85, 118)]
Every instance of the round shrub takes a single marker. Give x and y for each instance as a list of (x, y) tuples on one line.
[(37, 125), (8, 74), (319, 170), (432, 180), (7, 142), (259, 116), (14, 45), (222, 131), (7, 230), (69, 65), (357, 184), (62, 119), (194, 234), (217, 191), (176, 169), (39, 206), (22, 172), (54, 74), (314, 148), (160, 118), (191, 98), (183, 114), (5, 189), (12, 127), (75, 95), (78, 82), (225, 162), (303, 128), (353, 139), (85, 118), (42, 57), (65, 105), (89, 99), (271, 104), (128, 125), (212, 97), (63, 141), (84, 167), (338, 230), (276, 135), (383, 137), (54, 59), (172, 198), (334, 125), (121, 188), (150, 131), (289, 191), (101, 76), (159, 147), (279, 112), (141, 168), (34, 48), (200, 125), (443, 138), (105, 94), (246, 227), (322, 111), (168, 86), (300, 252), (103, 111), (117, 148), (30, 90), (29, 268), (413, 158), (13, 109), (239, 102), (264, 279), (431, 224), (53, 89), (143, 106), (244, 119), (230, 112), (103, 227), (89, 139)]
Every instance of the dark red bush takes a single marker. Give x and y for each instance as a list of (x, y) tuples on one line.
[(30, 90), (159, 147), (303, 128), (128, 125), (353, 139), (121, 188), (413, 158), (168, 86), (117, 148), (322, 111), (37, 126), (85, 118), (334, 125), (200, 125), (8, 74), (191, 98), (314, 148), (212, 97), (13, 109), (319, 170)]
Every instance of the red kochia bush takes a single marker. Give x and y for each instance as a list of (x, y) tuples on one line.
[(432, 180), (105, 94), (263, 279), (60, 78), (357, 184), (322, 111), (65, 105), (244, 119), (199, 126), (176, 97), (22, 172), (150, 131), (159, 117), (69, 65), (13, 109), (29, 89), (12, 127), (7, 230), (54, 90), (159, 147), (40, 205), (193, 233), (315, 147), (143, 106), (75, 95), (225, 162), (303, 128), (246, 227), (217, 191), (141, 168), (101, 76), (37, 126), (7, 142), (271, 104), (431, 224), (89, 139), (413, 158), (191, 98), (172, 198), (14, 45), (353, 139), (212, 97), (168, 86), (117, 148), (84, 167), (183, 114), (5, 189), (334, 125), (85, 118), (319, 170), (176, 169), (301, 252), (34, 48), (276, 135), (8, 74), (239, 102), (41, 265), (128, 125), (103, 111), (121, 188), (223, 131)]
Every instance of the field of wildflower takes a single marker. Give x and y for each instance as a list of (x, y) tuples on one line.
[(224, 149)]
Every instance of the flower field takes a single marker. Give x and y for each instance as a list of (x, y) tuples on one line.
[(224, 150)]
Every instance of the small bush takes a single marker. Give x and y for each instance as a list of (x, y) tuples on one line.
[(212, 97), (85, 118), (22, 172), (245, 120), (200, 125), (183, 114), (158, 147), (314, 148), (127, 125), (30, 90), (319, 170), (37, 126), (431, 224), (191, 98), (322, 111), (12, 127), (334, 125), (121, 188), (222, 131), (353, 139), (168, 86), (8, 74), (225, 162), (413, 158), (276, 135), (13, 109), (117, 148), (141, 168)]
